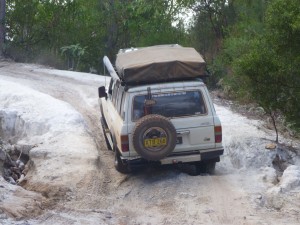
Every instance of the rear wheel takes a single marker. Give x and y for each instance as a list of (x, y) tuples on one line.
[(119, 164), (194, 170), (209, 167), (206, 167), (201, 167)]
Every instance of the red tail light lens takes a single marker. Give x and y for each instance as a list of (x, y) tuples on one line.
[(218, 134), (124, 143)]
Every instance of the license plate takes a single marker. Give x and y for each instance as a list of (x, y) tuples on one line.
[(155, 142)]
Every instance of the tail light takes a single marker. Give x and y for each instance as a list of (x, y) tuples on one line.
[(124, 143), (218, 134)]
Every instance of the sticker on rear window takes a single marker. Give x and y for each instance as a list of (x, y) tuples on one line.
[(169, 94)]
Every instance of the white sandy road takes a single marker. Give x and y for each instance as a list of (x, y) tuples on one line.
[(73, 171)]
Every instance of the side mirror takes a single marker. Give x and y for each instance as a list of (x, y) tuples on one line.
[(101, 92)]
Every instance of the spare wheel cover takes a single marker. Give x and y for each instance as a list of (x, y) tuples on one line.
[(154, 137)]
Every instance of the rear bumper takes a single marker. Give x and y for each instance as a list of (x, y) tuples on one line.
[(193, 156), (180, 157)]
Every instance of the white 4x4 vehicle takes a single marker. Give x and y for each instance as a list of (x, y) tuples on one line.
[(157, 110)]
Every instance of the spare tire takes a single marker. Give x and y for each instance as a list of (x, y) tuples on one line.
[(154, 137)]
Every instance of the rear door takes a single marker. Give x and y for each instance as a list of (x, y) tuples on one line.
[(190, 113)]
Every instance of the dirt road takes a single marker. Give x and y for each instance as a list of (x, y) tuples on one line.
[(245, 190)]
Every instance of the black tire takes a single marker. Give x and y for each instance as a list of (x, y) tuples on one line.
[(209, 167), (153, 126), (192, 169), (119, 165), (197, 168), (104, 126), (206, 167)]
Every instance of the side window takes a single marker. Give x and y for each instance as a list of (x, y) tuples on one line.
[(123, 111), (203, 109), (119, 98), (115, 93), (110, 87)]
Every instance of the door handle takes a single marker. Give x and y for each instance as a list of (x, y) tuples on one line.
[(183, 132)]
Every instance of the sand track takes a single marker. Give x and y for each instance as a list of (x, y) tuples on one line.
[(97, 194)]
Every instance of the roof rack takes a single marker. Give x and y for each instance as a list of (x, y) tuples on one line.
[(156, 64)]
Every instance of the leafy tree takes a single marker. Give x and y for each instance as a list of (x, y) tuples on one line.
[(22, 23), (211, 22), (283, 33), (247, 23), (259, 69), (73, 54), (271, 66), (45, 26), (140, 23)]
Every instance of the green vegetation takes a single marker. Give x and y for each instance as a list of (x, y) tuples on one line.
[(252, 47), (263, 54), (40, 30)]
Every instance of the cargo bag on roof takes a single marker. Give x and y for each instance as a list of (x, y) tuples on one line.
[(159, 63)]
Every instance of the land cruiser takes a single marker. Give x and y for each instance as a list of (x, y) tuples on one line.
[(156, 109)]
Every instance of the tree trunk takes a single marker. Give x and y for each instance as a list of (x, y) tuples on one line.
[(273, 118), (2, 26)]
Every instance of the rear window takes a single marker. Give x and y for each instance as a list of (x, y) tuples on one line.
[(175, 104)]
